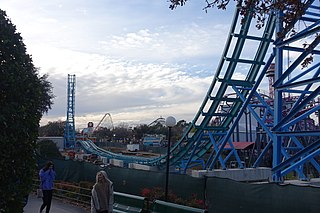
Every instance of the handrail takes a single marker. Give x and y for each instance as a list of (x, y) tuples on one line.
[(82, 196), (163, 206), (79, 196)]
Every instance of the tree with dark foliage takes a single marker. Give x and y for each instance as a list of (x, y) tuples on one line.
[(24, 97), (290, 8), (52, 128), (48, 149)]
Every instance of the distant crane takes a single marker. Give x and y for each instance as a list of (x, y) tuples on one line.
[(103, 118)]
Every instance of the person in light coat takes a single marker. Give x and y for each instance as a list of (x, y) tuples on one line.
[(102, 194)]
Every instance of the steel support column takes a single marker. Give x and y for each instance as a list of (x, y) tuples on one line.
[(69, 131)]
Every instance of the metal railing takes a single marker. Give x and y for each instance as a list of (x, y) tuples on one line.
[(70, 192), (81, 196)]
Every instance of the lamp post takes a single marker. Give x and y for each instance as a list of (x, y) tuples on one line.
[(170, 122)]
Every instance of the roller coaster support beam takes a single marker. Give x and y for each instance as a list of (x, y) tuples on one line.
[(286, 124), (244, 106), (69, 131), (277, 140), (300, 155)]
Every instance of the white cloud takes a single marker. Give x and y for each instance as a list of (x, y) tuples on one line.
[(137, 61), (123, 88), (190, 41)]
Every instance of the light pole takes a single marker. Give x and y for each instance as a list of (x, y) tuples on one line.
[(170, 122)]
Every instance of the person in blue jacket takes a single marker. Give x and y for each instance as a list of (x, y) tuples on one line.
[(47, 176)]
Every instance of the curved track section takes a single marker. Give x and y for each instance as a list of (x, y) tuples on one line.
[(196, 142), (245, 52), (229, 67), (90, 147)]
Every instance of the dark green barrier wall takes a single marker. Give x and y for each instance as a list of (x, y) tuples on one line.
[(73, 171), (135, 180), (129, 180), (222, 195)]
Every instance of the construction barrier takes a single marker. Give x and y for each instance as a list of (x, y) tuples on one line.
[(218, 194)]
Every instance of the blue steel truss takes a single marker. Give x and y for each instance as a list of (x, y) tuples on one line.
[(223, 82), (69, 131), (304, 87), (285, 136)]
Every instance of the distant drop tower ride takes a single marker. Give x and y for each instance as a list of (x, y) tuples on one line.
[(69, 131)]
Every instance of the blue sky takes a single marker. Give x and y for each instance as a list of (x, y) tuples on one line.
[(137, 60)]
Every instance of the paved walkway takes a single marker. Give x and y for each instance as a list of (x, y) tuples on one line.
[(57, 206)]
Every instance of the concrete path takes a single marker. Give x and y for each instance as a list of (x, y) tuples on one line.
[(57, 206)]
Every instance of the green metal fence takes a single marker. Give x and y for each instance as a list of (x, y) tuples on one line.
[(81, 196), (70, 192), (218, 194)]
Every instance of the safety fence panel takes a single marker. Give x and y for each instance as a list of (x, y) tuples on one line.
[(225, 195), (129, 180), (220, 195)]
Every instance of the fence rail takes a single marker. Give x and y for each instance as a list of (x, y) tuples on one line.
[(70, 192), (81, 196)]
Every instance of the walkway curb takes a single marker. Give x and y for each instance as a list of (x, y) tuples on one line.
[(57, 206)]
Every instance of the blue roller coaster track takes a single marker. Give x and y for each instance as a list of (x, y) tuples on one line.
[(206, 141)]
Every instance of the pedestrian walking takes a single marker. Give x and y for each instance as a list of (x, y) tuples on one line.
[(47, 176), (102, 194)]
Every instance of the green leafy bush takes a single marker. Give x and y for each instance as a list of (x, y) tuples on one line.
[(157, 193), (49, 150), (24, 97)]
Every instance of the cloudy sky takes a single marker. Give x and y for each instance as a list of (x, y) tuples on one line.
[(137, 60)]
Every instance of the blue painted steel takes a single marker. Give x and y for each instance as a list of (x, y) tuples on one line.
[(306, 89), (244, 105), (298, 133), (314, 7), (302, 116), (298, 156), (299, 83), (215, 146), (90, 147), (292, 91), (300, 162), (256, 116), (296, 63), (285, 124), (277, 140), (311, 30), (263, 153), (306, 72), (181, 150), (227, 80), (186, 164), (297, 108), (283, 134), (235, 153), (69, 131), (297, 49), (285, 155), (305, 149), (313, 14), (279, 150)]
